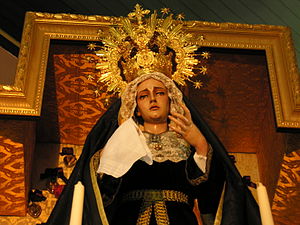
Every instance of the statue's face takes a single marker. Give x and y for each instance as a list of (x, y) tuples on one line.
[(152, 101)]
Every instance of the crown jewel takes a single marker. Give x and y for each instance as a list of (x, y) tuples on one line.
[(143, 46)]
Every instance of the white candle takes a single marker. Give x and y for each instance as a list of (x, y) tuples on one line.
[(77, 204), (264, 205)]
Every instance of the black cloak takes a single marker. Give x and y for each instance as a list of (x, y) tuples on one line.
[(239, 206)]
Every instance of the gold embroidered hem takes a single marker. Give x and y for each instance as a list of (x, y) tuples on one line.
[(94, 162), (155, 200), (204, 177)]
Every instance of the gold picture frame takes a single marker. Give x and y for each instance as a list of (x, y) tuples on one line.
[(24, 97)]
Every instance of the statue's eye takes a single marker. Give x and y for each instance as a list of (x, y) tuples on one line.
[(141, 97)]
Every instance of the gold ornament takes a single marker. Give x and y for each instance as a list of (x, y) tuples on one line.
[(180, 16), (142, 45), (205, 55), (198, 84), (203, 70), (165, 10)]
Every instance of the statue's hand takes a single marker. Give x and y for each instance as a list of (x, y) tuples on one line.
[(183, 125)]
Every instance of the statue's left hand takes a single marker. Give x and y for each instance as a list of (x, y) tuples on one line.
[(184, 125)]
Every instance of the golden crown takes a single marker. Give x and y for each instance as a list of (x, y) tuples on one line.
[(143, 45)]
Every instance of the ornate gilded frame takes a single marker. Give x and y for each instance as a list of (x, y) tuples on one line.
[(24, 97)]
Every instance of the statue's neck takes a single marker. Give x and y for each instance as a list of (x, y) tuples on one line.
[(155, 128)]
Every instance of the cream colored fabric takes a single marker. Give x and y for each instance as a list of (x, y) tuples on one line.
[(200, 161), (126, 146)]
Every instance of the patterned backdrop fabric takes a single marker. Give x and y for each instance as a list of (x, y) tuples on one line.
[(237, 104), (48, 204), (12, 179), (236, 97), (286, 202), (78, 106)]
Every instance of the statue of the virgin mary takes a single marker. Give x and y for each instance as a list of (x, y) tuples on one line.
[(151, 158)]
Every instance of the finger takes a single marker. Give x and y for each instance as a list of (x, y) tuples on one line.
[(178, 122), (186, 110), (181, 117), (176, 129), (182, 126)]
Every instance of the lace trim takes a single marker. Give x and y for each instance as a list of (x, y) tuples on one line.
[(167, 146)]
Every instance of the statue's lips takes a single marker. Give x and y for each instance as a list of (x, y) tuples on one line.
[(154, 108)]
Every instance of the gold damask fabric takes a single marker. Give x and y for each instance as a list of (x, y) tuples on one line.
[(47, 206), (286, 202), (12, 179), (78, 105)]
